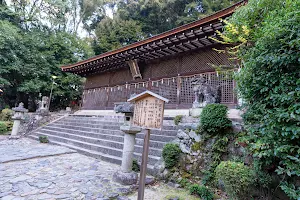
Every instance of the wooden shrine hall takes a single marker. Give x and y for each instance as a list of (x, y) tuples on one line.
[(163, 64)]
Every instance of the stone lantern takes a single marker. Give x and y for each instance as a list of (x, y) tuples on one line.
[(18, 117), (126, 176)]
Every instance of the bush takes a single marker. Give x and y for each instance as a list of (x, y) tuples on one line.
[(236, 177), (9, 125), (214, 118), (267, 34), (170, 154), (6, 114), (135, 166), (3, 127), (202, 191), (177, 119), (43, 139)]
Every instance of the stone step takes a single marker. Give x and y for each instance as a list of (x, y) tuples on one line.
[(95, 122), (153, 137), (95, 154), (98, 155), (94, 128), (95, 147), (102, 142), (117, 138)]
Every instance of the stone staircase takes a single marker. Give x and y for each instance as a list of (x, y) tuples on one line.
[(100, 137)]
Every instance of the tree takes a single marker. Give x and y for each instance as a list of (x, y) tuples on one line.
[(115, 33), (29, 57), (266, 37)]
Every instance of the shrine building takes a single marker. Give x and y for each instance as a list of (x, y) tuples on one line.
[(163, 64)]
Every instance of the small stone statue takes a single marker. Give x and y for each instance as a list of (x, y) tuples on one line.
[(43, 106), (45, 101), (205, 93)]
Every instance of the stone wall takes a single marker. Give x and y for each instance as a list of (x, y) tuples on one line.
[(32, 121)]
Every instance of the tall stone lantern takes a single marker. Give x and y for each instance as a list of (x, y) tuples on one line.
[(126, 176), (18, 117)]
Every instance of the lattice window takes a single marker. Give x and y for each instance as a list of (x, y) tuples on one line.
[(165, 68), (166, 88), (97, 80), (121, 76), (224, 80)]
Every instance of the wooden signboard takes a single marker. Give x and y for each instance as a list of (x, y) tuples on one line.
[(148, 114)]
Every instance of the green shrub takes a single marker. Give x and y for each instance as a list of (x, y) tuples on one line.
[(9, 125), (170, 154), (202, 191), (6, 114), (3, 127), (177, 119), (135, 166), (236, 177), (43, 139), (267, 32), (196, 146), (184, 182), (214, 118)]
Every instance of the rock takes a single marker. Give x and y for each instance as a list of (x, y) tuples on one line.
[(123, 190), (125, 178), (149, 180), (182, 135), (184, 148), (195, 136), (188, 167), (112, 195), (172, 184)]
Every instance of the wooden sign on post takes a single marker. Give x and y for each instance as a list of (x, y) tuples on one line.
[(148, 114)]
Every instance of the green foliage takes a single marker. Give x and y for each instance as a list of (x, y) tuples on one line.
[(170, 154), (6, 114), (115, 33), (43, 139), (159, 16), (219, 147), (184, 182), (28, 60), (202, 191), (177, 119), (236, 177), (214, 119), (135, 166), (3, 127), (196, 146), (9, 125), (269, 84)]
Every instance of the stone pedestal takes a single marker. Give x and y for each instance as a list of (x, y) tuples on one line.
[(15, 128), (126, 176), (128, 149)]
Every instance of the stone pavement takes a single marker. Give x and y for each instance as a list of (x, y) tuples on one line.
[(59, 174)]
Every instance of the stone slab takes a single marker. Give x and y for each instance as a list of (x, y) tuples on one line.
[(23, 149), (67, 176)]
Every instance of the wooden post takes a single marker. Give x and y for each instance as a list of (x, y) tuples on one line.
[(148, 114), (144, 166)]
